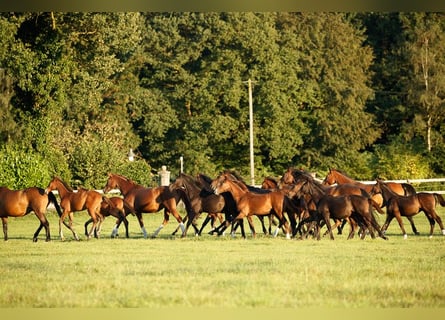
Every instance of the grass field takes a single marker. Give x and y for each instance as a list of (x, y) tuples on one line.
[(219, 271)]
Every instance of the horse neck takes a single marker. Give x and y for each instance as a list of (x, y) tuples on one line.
[(340, 178), (192, 188), (316, 191), (62, 189), (236, 190), (387, 193), (125, 185)]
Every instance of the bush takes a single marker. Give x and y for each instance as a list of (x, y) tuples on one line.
[(21, 168), (400, 160)]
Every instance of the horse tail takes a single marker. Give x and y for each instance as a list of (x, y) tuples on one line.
[(373, 221), (440, 199), (408, 189), (52, 198), (376, 206)]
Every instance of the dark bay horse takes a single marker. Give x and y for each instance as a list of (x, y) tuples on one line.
[(357, 209), (230, 210), (408, 206), (115, 207), (201, 200), (18, 203), (149, 200), (292, 176), (71, 202), (249, 203)]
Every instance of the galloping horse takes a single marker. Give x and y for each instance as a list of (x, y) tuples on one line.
[(357, 209), (292, 176), (230, 210), (339, 177), (200, 200), (116, 207), (18, 203), (249, 203), (71, 202), (408, 206), (149, 200)]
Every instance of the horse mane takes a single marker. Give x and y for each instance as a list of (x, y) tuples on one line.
[(190, 180), (206, 179), (235, 175), (64, 184)]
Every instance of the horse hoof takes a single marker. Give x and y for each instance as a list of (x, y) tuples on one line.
[(35, 240)]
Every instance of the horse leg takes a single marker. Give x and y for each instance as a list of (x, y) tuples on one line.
[(413, 227), (186, 219), (141, 224), (206, 221), (252, 228), (69, 225), (86, 226), (340, 227), (328, 225), (43, 223), (124, 218), (5, 228), (164, 222), (399, 220)]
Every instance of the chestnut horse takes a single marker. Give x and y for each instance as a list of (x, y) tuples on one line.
[(249, 203), (149, 200), (71, 202), (338, 177), (116, 207), (18, 203), (408, 206)]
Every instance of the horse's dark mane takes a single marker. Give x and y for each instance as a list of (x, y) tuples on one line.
[(191, 180), (206, 179), (64, 184)]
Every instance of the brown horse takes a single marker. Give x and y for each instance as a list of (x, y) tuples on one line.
[(408, 206), (18, 203), (357, 209), (249, 203), (269, 183), (71, 202), (338, 177), (292, 176), (116, 207), (200, 200), (149, 200)]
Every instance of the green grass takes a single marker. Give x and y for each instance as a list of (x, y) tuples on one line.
[(219, 271)]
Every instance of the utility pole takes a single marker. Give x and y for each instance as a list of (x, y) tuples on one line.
[(252, 162)]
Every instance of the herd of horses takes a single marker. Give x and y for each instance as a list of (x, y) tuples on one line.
[(297, 203)]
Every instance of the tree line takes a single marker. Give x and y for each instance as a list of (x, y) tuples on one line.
[(362, 92)]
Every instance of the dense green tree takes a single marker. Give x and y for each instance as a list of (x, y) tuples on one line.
[(78, 90), (335, 69), (425, 33)]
